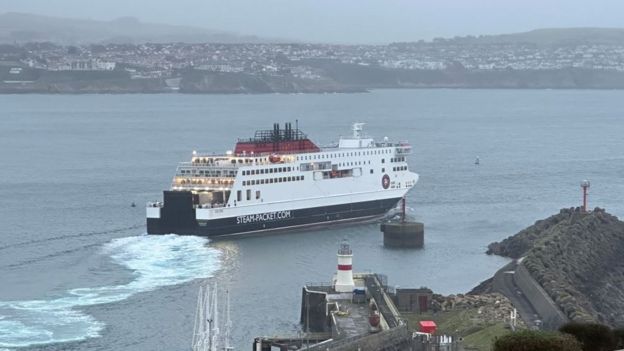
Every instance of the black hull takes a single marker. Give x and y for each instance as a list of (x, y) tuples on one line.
[(178, 217)]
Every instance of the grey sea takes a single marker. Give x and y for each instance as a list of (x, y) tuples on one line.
[(77, 271)]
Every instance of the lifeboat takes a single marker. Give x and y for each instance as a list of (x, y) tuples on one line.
[(275, 158)]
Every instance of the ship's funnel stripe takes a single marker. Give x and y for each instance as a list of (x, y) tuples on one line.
[(344, 267)]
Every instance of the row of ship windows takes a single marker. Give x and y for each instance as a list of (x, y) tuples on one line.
[(272, 180), (267, 170), (211, 161), (212, 173), (344, 154), (357, 163), (189, 181), (288, 169), (239, 195), (400, 168), (397, 159)]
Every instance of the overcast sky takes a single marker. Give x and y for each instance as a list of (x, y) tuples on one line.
[(344, 21)]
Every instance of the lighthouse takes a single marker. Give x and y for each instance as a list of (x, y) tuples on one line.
[(344, 276)]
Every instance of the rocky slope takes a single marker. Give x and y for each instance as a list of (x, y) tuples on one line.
[(490, 307), (577, 258)]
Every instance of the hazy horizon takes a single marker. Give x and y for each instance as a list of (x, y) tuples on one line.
[(347, 21)]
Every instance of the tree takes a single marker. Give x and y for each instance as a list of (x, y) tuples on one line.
[(618, 333), (537, 341), (593, 336)]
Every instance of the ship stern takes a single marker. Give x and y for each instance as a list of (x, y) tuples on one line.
[(175, 215)]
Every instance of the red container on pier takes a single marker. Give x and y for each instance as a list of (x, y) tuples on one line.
[(427, 327)]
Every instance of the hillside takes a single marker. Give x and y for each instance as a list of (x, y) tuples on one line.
[(21, 28), (552, 37), (577, 258)]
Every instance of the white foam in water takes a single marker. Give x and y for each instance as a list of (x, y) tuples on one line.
[(156, 261)]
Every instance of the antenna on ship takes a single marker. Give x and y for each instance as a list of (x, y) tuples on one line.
[(357, 130)]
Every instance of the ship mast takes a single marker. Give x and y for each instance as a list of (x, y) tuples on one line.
[(214, 321), (206, 327), (199, 328), (228, 324)]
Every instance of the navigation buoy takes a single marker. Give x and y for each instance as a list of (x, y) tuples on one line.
[(477, 161), (133, 205)]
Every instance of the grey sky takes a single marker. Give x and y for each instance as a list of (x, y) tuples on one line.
[(345, 21)]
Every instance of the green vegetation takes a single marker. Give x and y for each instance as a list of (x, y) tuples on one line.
[(563, 254), (619, 336), (478, 334), (482, 340), (481, 333), (537, 341), (572, 337), (593, 336)]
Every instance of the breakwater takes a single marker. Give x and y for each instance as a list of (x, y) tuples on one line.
[(575, 257)]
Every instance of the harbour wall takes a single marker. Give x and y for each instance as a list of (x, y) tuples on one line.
[(552, 317), (390, 339)]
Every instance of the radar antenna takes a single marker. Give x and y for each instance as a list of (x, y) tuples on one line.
[(357, 130)]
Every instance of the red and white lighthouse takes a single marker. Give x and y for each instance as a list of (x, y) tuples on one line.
[(344, 276)]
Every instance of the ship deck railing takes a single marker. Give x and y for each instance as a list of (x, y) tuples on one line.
[(208, 206), (401, 145), (209, 166), (235, 165), (203, 187), (245, 155)]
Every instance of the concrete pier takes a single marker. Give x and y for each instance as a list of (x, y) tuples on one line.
[(403, 234)]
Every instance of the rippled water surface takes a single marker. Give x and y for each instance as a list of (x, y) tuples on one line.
[(78, 272)]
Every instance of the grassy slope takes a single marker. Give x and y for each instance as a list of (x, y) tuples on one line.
[(478, 335)]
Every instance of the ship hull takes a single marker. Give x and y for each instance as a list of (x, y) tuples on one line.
[(180, 220)]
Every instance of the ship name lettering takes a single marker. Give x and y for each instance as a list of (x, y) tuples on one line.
[(263, 217)]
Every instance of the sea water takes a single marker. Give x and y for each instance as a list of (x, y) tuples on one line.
[(77, 271)]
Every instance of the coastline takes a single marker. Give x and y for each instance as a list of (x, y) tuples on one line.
[(337, 79)]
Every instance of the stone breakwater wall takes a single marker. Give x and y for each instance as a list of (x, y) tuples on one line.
[(552, 317), (576, 257), (390, 339)]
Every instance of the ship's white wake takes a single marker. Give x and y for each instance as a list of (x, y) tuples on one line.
[(155, 261)]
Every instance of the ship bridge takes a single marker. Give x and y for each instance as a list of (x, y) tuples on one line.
[(358, 140)]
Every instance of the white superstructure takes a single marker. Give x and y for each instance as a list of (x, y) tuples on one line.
[(265, 187)]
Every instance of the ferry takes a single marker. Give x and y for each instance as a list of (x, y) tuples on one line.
[(280, 179)]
